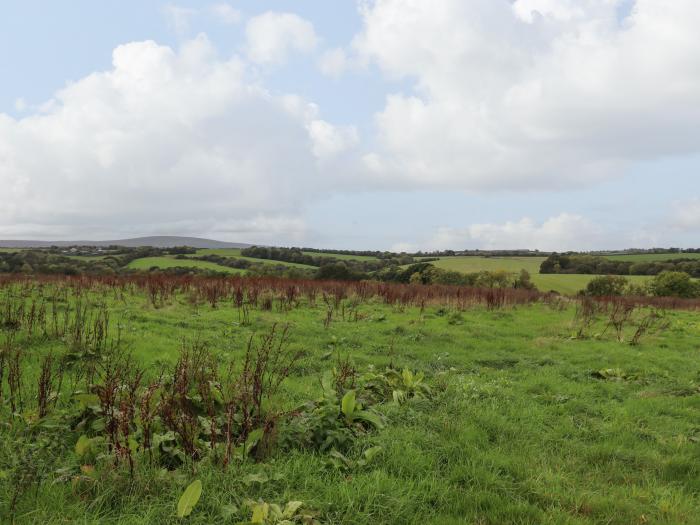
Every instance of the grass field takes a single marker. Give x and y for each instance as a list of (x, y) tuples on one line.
[(563, 283), (651, 257), (469, 264), (146, 263), (517, 430), (236, 252)]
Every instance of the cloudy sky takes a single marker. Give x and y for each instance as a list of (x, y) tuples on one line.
[(383, 124)]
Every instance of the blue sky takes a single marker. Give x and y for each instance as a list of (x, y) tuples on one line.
[(388, 124)]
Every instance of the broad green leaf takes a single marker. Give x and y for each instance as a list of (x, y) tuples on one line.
[(371, 452), (291, 508), (275, 512), (407, 377), (348, 403), (82, 447), (260, 513), (189, 499), (253, 439), (371, 418)]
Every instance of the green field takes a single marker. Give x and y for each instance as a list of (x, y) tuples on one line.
[(146, 263), (518, 427), (236, 252), (570, 284), (470, 264), (563, 283), (651, 257)]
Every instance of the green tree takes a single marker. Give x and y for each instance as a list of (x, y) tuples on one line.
[(606, 286), (674, 284)]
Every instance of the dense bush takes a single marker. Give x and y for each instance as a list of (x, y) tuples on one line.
[(674, 284), (607, 286)]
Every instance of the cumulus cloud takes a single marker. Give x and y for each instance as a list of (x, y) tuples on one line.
[(531, 93), (559, 233), (225, 13), (272, 36), (329, 140), (164, 141), (687, 215), (179, 18)]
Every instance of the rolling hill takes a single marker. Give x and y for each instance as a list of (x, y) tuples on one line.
[(160, 241)]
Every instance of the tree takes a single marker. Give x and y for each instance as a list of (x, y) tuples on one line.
[(606, 286), (674, 284)]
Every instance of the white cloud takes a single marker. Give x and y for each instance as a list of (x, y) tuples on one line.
[(179, 18), (333, 62), (401, 247), (687, 215), (225, 13), (272, 36), (560, 233), (329, 140), (176, 141), (531, 93), (20, 104)]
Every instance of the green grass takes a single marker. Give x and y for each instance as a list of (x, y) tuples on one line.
[(570, 284), (236, 253), (146, 263), (518, 431), (469, 264), (567, 284), (651, 257)]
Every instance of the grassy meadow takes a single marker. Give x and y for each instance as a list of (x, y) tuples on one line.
[(567, 284), (146, 263), (236, 253), (532, 415), (651, 257)]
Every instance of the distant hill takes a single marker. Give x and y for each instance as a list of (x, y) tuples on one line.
[(161, 241)]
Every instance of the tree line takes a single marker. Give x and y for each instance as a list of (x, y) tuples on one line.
[(595, 265)]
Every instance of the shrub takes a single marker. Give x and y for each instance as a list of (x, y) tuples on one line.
[(674, 284), (606, 286)]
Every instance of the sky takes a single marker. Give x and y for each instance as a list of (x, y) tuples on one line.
[(355, 124)]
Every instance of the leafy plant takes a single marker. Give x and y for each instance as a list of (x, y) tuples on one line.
[(273, 514), (407, 385), (354, 413), (189, 499)]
